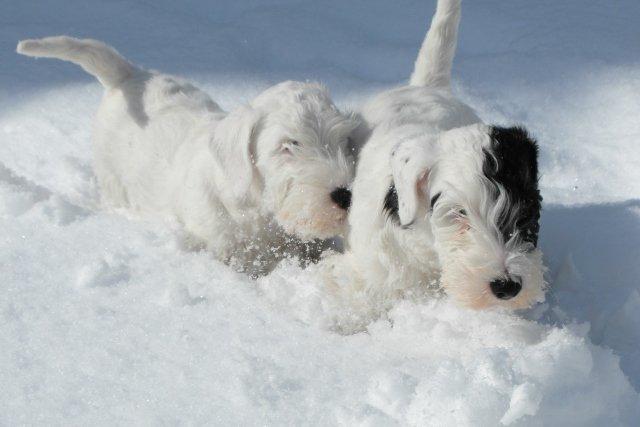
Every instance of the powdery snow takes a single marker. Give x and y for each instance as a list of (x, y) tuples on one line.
[(106, 319)]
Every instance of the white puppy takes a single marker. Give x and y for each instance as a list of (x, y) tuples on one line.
[(440, 200), (241, 182)]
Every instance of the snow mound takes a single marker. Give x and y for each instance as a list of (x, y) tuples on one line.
[(438, 364)]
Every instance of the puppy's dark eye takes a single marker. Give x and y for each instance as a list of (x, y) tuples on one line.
[(434, 199), (462, 212), (293, 142)]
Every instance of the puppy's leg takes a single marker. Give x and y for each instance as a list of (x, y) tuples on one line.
[(113, 193), (354, 302)]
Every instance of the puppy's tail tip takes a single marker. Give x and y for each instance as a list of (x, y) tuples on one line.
[(28, 47), (96, 58), (50, 47), (434, 61)]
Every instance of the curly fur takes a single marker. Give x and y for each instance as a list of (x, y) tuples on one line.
[(441, 201), (249, 184)]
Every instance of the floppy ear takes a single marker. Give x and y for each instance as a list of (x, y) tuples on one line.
[(233, 147), (411, 162)]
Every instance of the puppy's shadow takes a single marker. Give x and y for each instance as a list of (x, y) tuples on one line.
[(593, 255), (133, 92)]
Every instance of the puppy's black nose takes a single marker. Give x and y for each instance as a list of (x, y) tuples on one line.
[(505, 288), (341, 197)]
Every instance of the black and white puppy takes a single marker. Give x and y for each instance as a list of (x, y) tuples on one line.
[(440, 199)]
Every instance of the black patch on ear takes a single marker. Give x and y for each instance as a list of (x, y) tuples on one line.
[(512, 162), (390, 207)]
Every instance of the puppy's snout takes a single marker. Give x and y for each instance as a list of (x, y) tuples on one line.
[(341, 197), (505, 288)]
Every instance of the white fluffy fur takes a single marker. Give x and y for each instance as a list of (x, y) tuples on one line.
[(426, 141), (241, 182)]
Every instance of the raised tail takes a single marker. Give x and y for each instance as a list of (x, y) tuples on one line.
[(96, 58), (433, 65)]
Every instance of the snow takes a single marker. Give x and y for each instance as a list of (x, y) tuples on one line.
[(106, 319)]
